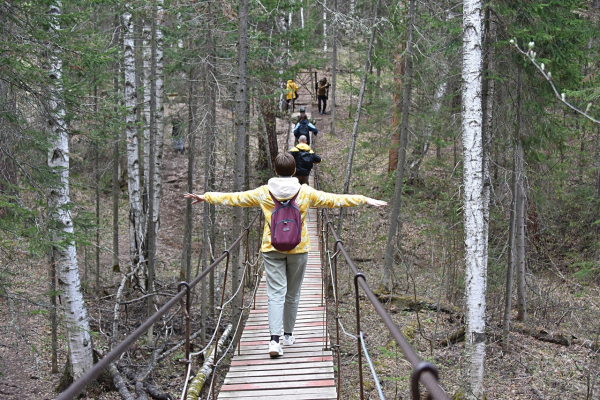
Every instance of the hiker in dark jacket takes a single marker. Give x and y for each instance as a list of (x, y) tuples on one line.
[(305, 159), (322, 95), (303, 128)]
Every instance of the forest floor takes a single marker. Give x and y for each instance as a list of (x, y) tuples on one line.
[(532, 369)]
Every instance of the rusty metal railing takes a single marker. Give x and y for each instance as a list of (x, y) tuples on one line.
[(184, 291), (423, 372)]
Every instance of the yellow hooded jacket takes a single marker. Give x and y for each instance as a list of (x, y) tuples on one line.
[(284, 189), (291, 88)]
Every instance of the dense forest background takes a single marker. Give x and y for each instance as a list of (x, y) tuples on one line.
[(91, 186)]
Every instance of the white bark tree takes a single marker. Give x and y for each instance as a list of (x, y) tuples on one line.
[(334, 35), (65, 252), (325, 28), (136, 213), (146, 76), (159, 115), (474, 198)]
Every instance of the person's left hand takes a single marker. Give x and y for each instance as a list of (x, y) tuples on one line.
[(198, 198), (376, 203)]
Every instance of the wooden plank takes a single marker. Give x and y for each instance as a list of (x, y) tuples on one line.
[(260, 350), (282, 372), (302, 320), (300, 308), (276, 378), (299, 354), (300, 336), (284, 394), (262, 353), (261, 386), (304, 341), (280, 360), (278, 368)]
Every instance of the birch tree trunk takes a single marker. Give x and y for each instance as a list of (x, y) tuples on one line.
[(159, 121), (395, 225), (325, 28), (334, 34), (240, 140), (474, 207), (136, 213), (361, 95), (146, 78), (116, 155), (61, 225)]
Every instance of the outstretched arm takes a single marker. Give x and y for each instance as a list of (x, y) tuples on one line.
[(330, 200), (249, 198)]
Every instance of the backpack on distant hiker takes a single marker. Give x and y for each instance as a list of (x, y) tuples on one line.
[(303, 130), (286, 224), (304, 162)]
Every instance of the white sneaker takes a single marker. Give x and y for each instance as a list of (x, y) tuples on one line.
[(288, 340), (275, 349)]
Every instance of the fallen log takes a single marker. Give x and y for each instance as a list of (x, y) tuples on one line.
[(207, 368), (120, 383), (542, 335), (157, 394), (410, 303), (564, 339), (453, 338)]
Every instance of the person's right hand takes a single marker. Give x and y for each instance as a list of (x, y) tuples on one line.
[(198, 198), (376, 203)]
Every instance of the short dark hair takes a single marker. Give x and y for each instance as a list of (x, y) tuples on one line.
[(285, 165)]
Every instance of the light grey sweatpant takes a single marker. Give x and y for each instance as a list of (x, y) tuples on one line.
[(285, 273)]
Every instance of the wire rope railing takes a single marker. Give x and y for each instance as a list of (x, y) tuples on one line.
[(423, 372), (184, 290)]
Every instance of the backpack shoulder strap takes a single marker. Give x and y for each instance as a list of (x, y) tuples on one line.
[(296, 195), (274, 199)]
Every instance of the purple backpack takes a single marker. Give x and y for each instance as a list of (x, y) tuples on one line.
[(286, 224)]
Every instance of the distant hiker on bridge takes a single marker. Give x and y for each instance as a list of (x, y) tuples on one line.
[(305, 159), (291, 94), (304, 128), (284, 268), (302, 113), (322, 94)]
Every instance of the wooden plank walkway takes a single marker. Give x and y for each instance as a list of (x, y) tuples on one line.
[(305, 371)]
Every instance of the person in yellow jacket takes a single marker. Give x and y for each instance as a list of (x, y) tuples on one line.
[(291, 94), (284, 269)]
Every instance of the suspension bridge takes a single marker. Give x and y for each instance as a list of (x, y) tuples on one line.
[(306, 369)]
